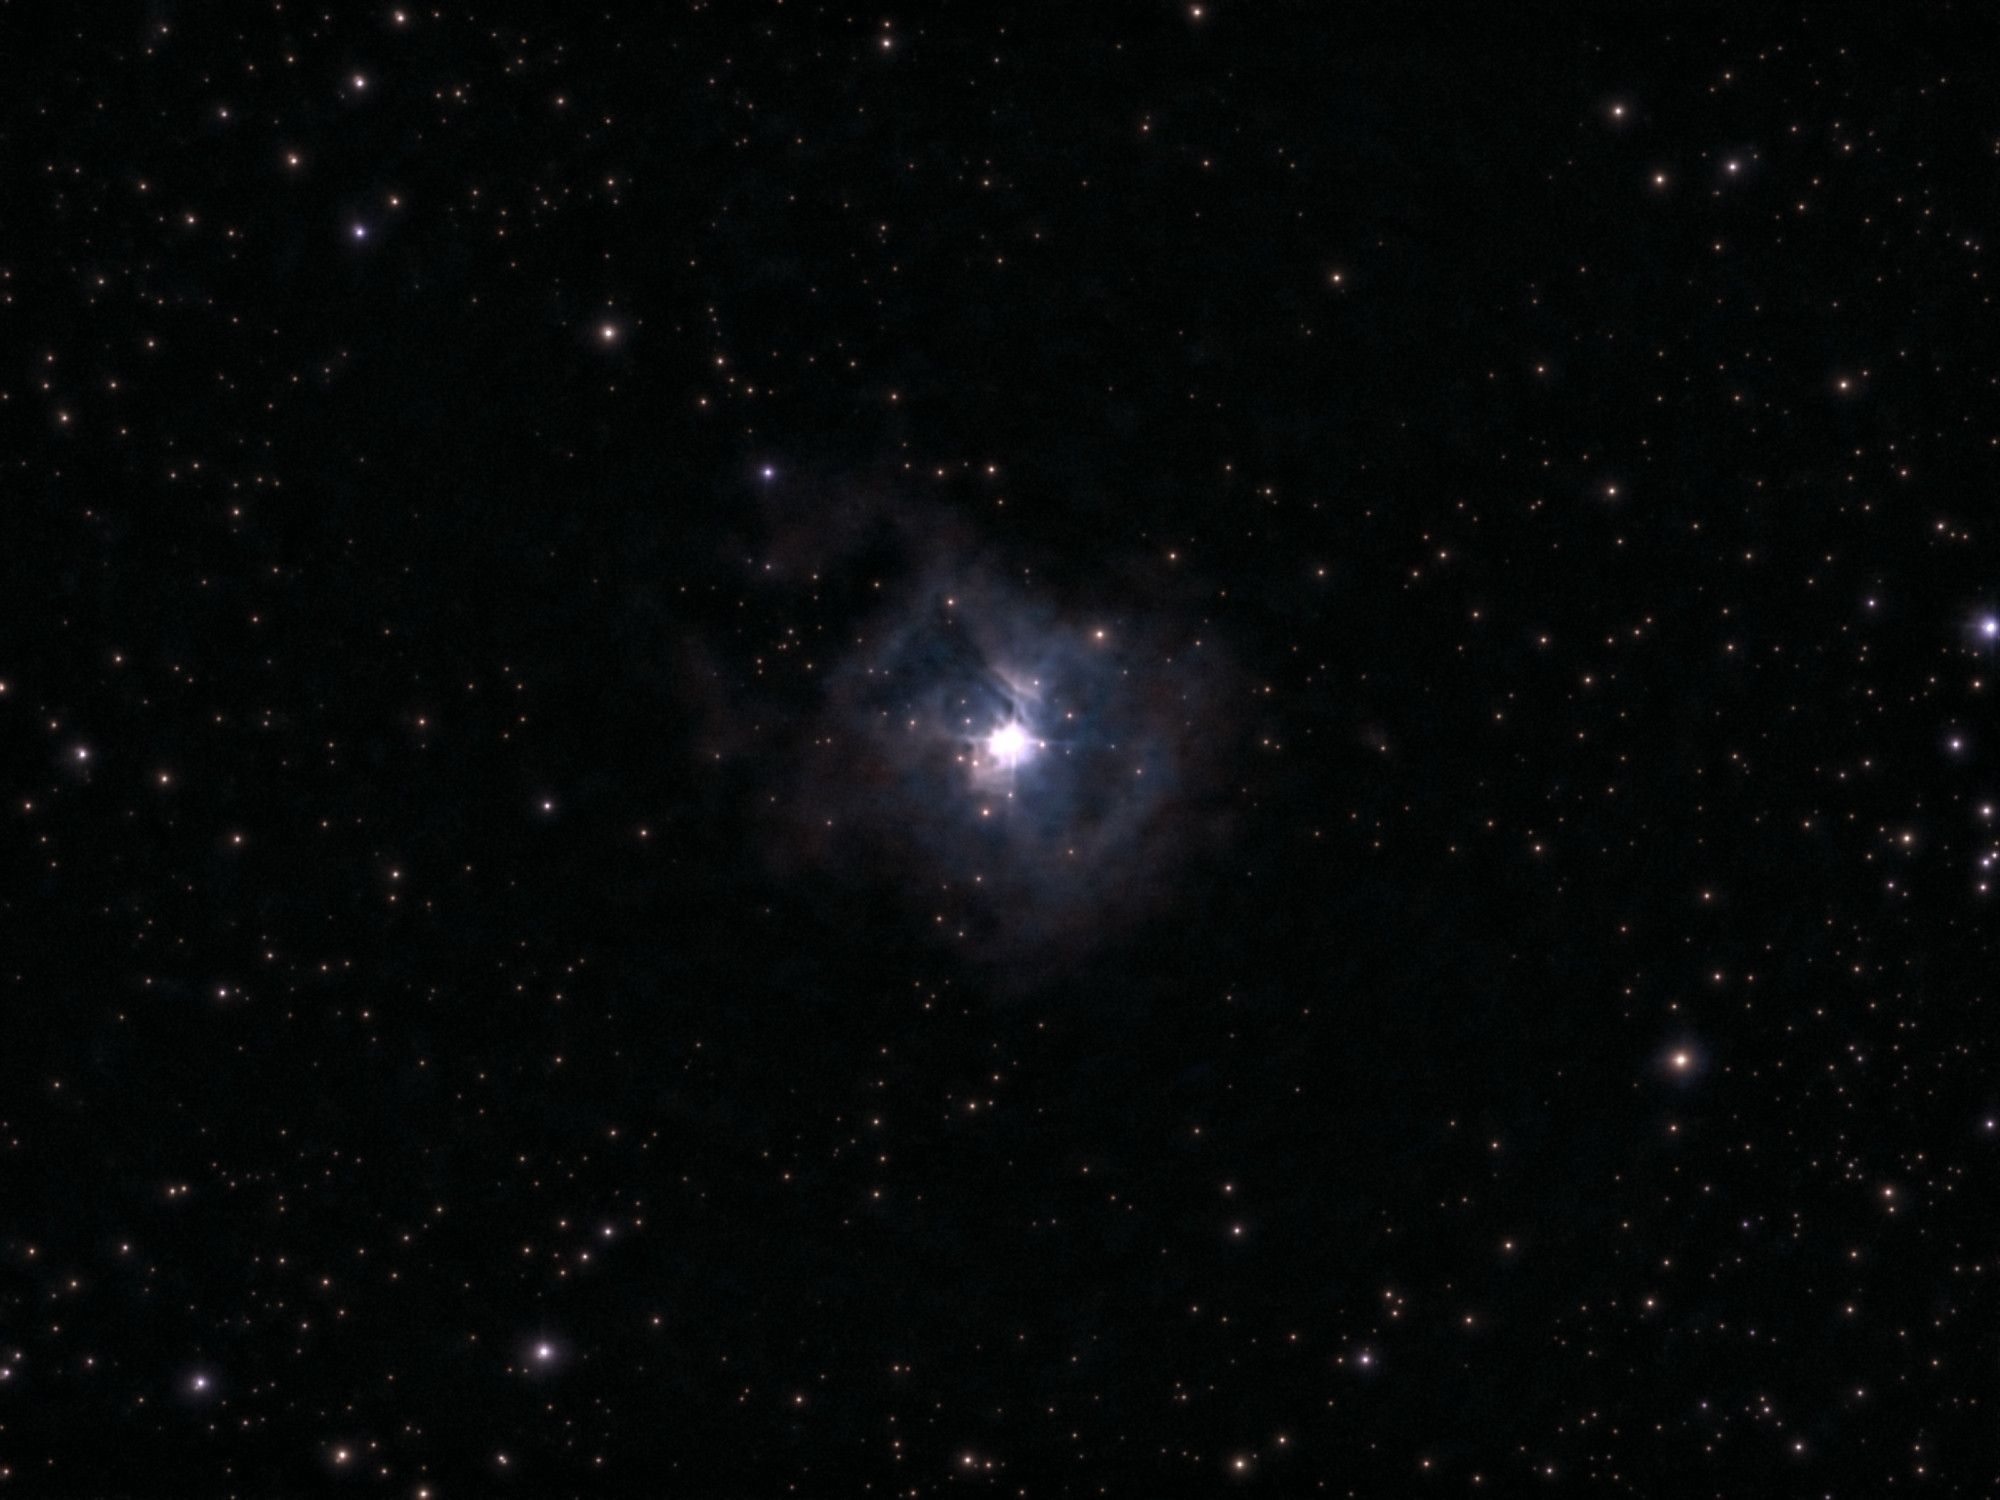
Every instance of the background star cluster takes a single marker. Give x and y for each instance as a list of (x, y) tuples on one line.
[(520, 523)]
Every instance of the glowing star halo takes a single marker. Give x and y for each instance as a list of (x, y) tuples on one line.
[(1009, 745)]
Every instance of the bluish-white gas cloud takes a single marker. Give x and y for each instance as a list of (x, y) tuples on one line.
[(1027, 764)]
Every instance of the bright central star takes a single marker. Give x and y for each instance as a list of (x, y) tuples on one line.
[(1009, 745)]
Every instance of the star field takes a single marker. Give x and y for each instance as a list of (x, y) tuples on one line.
[(1095, 750)]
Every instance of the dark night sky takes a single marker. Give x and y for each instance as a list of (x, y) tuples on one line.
[(528, 972)]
